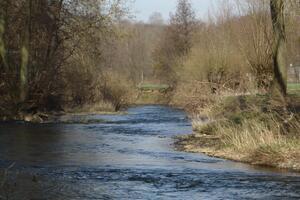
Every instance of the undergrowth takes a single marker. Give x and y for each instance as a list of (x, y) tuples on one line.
[(247, 129)]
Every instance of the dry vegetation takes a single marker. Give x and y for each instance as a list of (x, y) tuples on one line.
[(64, 55), (243, 129), (232, 54), (224, 83)]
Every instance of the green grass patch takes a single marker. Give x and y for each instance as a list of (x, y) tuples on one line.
[(159, 87), (294, 89), (294, 86)]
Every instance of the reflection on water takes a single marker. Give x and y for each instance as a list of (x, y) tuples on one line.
[(128, 157)]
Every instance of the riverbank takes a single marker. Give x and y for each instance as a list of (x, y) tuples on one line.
[(285, 157), (245, 129), (67, 112)]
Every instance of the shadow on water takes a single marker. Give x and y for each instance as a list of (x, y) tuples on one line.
[(127, 157)]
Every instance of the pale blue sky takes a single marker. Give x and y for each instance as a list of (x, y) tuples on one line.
[(144, 8)]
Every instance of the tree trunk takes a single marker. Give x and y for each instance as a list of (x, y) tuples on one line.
[(279, 85), (25, 54), (3, 27)]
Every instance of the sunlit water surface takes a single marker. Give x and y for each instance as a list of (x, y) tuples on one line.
[(128, 156)]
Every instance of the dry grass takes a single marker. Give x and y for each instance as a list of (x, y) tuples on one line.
[(193, 96), (249, 136), (238, 129), (261, 143), (253, 141)]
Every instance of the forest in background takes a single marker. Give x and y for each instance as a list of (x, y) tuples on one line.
[(230, 54), (59, 55)]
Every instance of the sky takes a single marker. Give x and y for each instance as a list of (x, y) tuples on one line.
[(144, 8)]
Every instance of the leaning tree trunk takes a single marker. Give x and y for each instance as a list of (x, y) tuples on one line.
[(279, 85)]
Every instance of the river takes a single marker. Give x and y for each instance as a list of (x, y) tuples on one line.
[(129, 156)]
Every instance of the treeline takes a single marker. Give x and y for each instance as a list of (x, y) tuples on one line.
[(59, 54), (231, 52)]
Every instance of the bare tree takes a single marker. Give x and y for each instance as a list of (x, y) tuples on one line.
[(256, 40), (38, 41), (176, 42), (182, 24)]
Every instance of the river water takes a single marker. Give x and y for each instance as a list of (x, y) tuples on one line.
[(127, 156)]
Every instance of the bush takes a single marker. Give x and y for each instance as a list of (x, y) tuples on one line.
[(116, 90), (241, 130)]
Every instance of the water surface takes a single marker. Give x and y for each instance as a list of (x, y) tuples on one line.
[(127, 157)]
